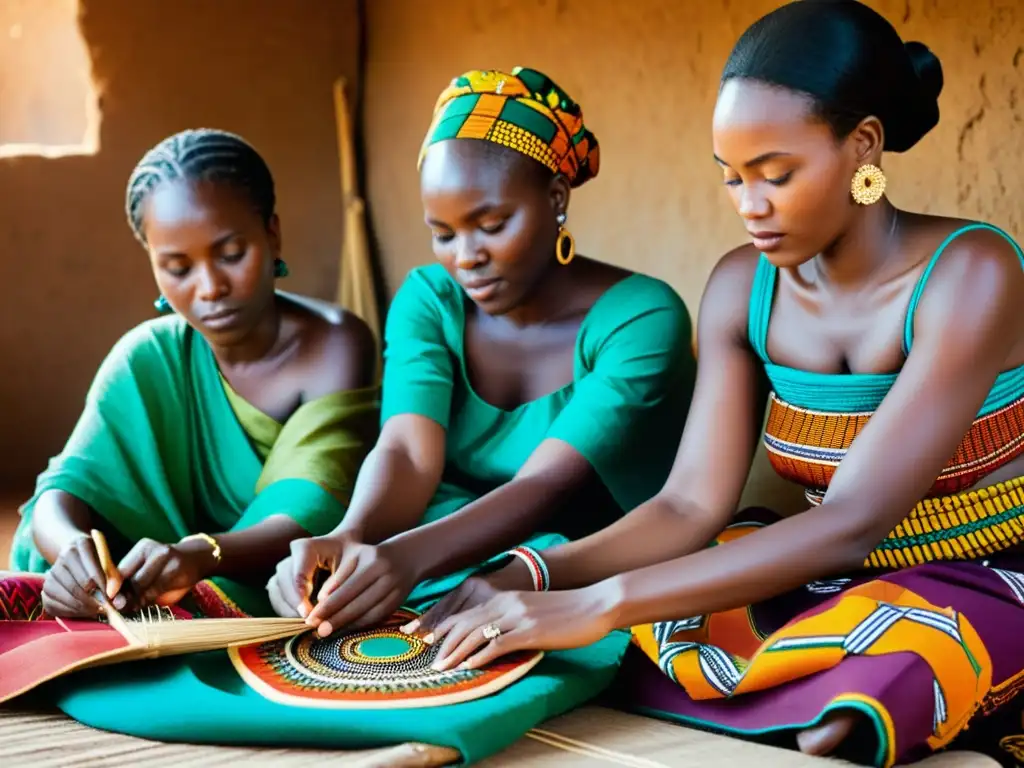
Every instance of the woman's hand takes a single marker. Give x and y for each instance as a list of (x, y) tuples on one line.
[(292, 585), (471, 593), (71, 585), (527, 620), (163, 574), (368, 585)]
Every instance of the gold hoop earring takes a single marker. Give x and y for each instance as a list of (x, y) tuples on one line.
[(868, 184), (564, 235)]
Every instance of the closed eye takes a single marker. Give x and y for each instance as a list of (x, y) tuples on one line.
[(443, 237), (780, 180), (495, 228)]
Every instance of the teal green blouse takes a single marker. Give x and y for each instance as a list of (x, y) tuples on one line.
[(624, 410)]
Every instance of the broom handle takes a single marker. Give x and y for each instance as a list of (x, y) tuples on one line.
[(353, 290), (346, 155)]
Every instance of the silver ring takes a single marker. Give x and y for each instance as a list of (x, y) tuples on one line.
[(492, 631)]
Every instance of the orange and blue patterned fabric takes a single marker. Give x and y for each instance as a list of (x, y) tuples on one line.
[(921, 653), (923, 641), (523, 110)]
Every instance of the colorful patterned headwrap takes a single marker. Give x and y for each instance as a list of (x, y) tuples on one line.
[(523, 110)]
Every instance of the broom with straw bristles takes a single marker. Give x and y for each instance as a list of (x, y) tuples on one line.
[(355, 275)]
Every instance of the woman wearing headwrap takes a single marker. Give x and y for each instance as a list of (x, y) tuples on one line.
[(530, 393)]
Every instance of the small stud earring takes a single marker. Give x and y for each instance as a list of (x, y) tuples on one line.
[(162, 305), (563, 254), (280, 268)]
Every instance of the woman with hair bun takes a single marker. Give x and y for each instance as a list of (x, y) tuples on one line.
[(887, 346)]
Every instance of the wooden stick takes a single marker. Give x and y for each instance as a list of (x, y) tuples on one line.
[(105, 560), (110, 573)]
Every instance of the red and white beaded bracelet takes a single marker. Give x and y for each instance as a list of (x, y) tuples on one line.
[(538, 568)]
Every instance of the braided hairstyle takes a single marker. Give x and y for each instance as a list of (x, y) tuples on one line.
[(203, 154)]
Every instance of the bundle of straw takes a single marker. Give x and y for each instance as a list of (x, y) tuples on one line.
[(148, 638)]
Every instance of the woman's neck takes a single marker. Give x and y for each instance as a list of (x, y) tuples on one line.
[(256, 345), (551, 300), (858, 253)]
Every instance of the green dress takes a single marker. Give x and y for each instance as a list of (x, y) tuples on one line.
[(633, 374), (624, 411)]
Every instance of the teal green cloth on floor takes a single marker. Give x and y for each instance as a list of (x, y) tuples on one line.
[(202, 699)]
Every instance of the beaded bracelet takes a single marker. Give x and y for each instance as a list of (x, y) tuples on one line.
[(538, 568)]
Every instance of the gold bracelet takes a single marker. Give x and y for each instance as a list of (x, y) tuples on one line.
[(209, 540)]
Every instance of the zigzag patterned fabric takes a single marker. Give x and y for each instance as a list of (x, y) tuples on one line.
[(806, 446), (952, 523), (20, 599)]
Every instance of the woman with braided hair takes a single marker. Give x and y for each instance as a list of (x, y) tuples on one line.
[(215, 435)]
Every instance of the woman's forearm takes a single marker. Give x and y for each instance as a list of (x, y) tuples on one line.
[(390, 496), (816, 544), (658, 530), (249, 555), (58, 519), (499, 520)]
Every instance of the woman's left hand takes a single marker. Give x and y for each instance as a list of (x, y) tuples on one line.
[(369, 584), (546, 621)]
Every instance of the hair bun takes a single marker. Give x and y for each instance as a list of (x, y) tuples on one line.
[(927, 67)]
